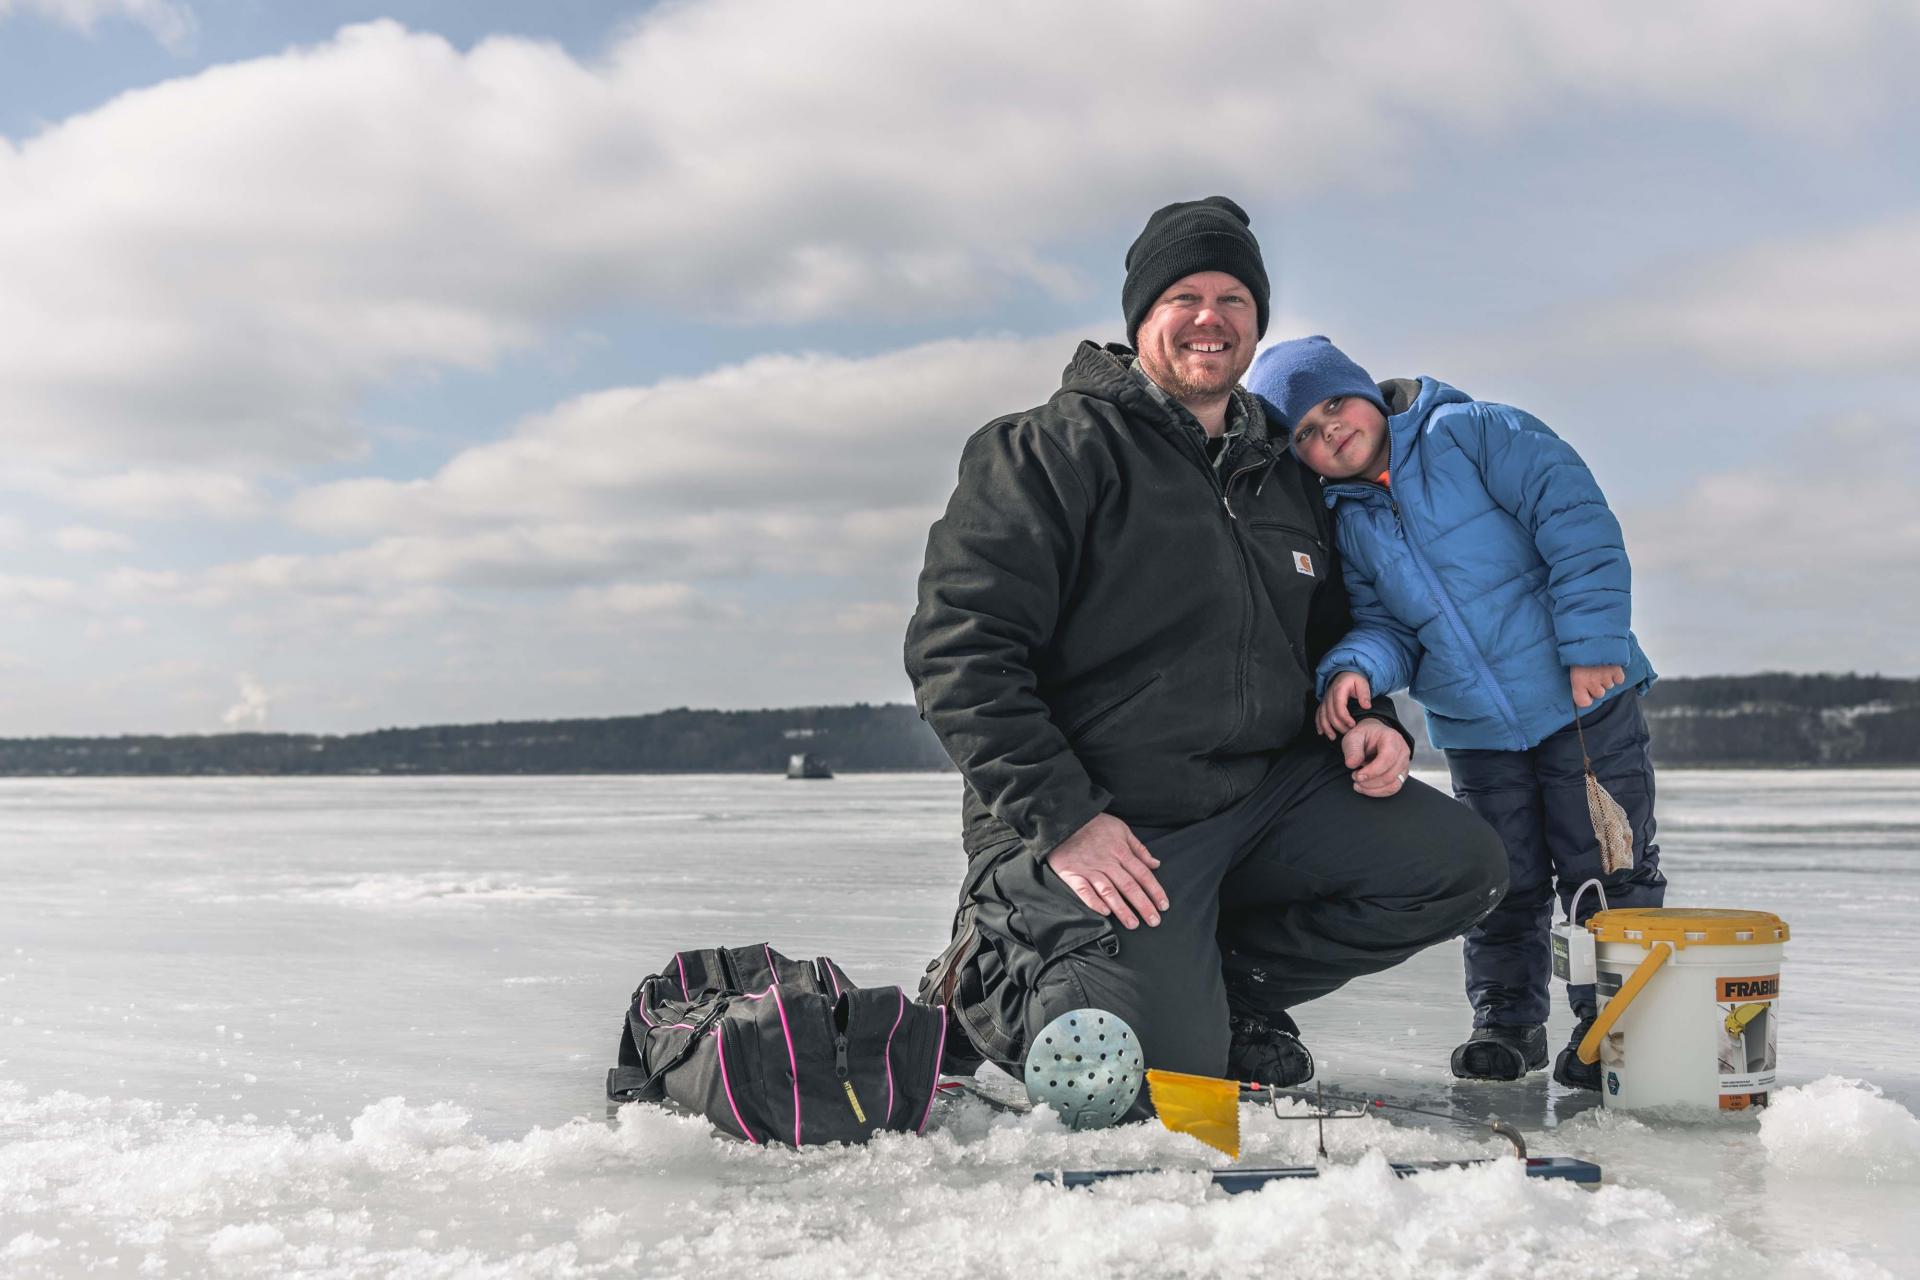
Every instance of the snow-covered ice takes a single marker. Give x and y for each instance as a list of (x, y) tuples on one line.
[(346, 1027)]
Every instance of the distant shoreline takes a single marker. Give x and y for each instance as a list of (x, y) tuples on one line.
[(1427, 765), (1769, 720)]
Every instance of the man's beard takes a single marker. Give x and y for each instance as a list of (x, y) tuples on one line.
[(1181, 387)]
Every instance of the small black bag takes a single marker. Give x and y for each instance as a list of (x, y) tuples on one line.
[(777, 1049)]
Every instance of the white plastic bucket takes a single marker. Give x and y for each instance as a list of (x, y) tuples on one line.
[(1689, 1007)]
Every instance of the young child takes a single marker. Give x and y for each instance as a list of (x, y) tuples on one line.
[(1487, 572)]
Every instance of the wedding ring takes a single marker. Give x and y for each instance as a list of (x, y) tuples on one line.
[(1400, 777)]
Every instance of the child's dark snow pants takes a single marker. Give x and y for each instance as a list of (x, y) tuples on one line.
[(1537, 801), (1280, 899)]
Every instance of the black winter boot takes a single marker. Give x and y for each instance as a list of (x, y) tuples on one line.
[(1569, 1070), (1267, 1050), (1501, 1053)]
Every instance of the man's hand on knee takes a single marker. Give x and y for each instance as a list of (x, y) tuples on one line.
[(1111, 871), (1378, 756)]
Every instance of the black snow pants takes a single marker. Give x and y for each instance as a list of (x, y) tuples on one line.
[(1276, 901), (1537, 801)]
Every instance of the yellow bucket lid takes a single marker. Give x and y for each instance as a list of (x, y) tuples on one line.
[(1687, 926)]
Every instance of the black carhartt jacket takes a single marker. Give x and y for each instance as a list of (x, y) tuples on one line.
[(1107, 623)]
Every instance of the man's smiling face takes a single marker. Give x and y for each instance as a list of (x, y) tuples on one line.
[(1198, 338)]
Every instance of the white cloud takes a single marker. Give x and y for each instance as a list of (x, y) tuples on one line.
[(115, 628), (660, 605), (143, 493), (806, 467), (25, 592), (142, 584), (788, 442), (172, 24), (80, 539), (219, 267), (1788, 562), (1787, 526), (655, 506), (883, 617), (253, 709), (1832, 302)]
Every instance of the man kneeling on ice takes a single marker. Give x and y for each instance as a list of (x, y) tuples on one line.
[(1116, 635)]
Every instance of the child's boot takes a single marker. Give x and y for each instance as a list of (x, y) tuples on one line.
[(1569, 1070), (1501, 1053)]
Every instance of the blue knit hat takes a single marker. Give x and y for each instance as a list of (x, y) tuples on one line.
[(1298, 374)]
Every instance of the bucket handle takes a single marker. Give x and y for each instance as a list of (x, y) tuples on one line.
[(1573, 908), (1589, 1050)]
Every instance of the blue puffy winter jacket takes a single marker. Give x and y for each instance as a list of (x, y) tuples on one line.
[(1489, 567)]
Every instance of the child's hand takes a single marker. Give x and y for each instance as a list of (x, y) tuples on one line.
[(1590, 684), (1333, 719)]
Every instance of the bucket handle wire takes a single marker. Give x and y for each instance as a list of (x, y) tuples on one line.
[(1573, 908)]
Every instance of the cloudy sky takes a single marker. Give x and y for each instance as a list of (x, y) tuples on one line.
[(368, 364)]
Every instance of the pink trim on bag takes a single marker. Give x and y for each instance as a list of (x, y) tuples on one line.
[(889, 1054), (938, 1054), (767, 950), (793, 1060), (720, 1042), (831, 974), (685, 992)]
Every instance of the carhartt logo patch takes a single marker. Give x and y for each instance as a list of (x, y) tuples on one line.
[(1303, 563)]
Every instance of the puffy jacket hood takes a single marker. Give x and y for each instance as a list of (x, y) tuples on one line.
[(1411, 401)]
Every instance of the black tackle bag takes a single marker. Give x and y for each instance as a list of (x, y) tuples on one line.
[(779, 1050)]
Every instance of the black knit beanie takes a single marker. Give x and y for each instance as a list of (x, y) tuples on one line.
[(1193, 235)]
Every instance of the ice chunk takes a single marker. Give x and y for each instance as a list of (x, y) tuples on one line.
[(1841, 1128)]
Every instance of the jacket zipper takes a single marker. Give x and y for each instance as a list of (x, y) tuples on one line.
[(1299, 651), (1226, 499), (1246, 616), (1402, 526), (1199, 455)]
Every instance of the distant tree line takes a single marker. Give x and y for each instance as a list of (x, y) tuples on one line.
[(859, 737), (1782, 719), (1771, 719)]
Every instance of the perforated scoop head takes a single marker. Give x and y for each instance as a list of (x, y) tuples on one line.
[(1086, 1065)]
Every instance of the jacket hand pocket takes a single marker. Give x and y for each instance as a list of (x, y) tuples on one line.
[(1104, 715)]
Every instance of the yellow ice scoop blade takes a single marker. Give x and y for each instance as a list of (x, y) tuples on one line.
[(1201, 1106)]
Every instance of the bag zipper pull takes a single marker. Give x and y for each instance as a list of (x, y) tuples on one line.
[(840, 1056)]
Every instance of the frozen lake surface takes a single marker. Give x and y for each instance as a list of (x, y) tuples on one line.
[(346, 1027)]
